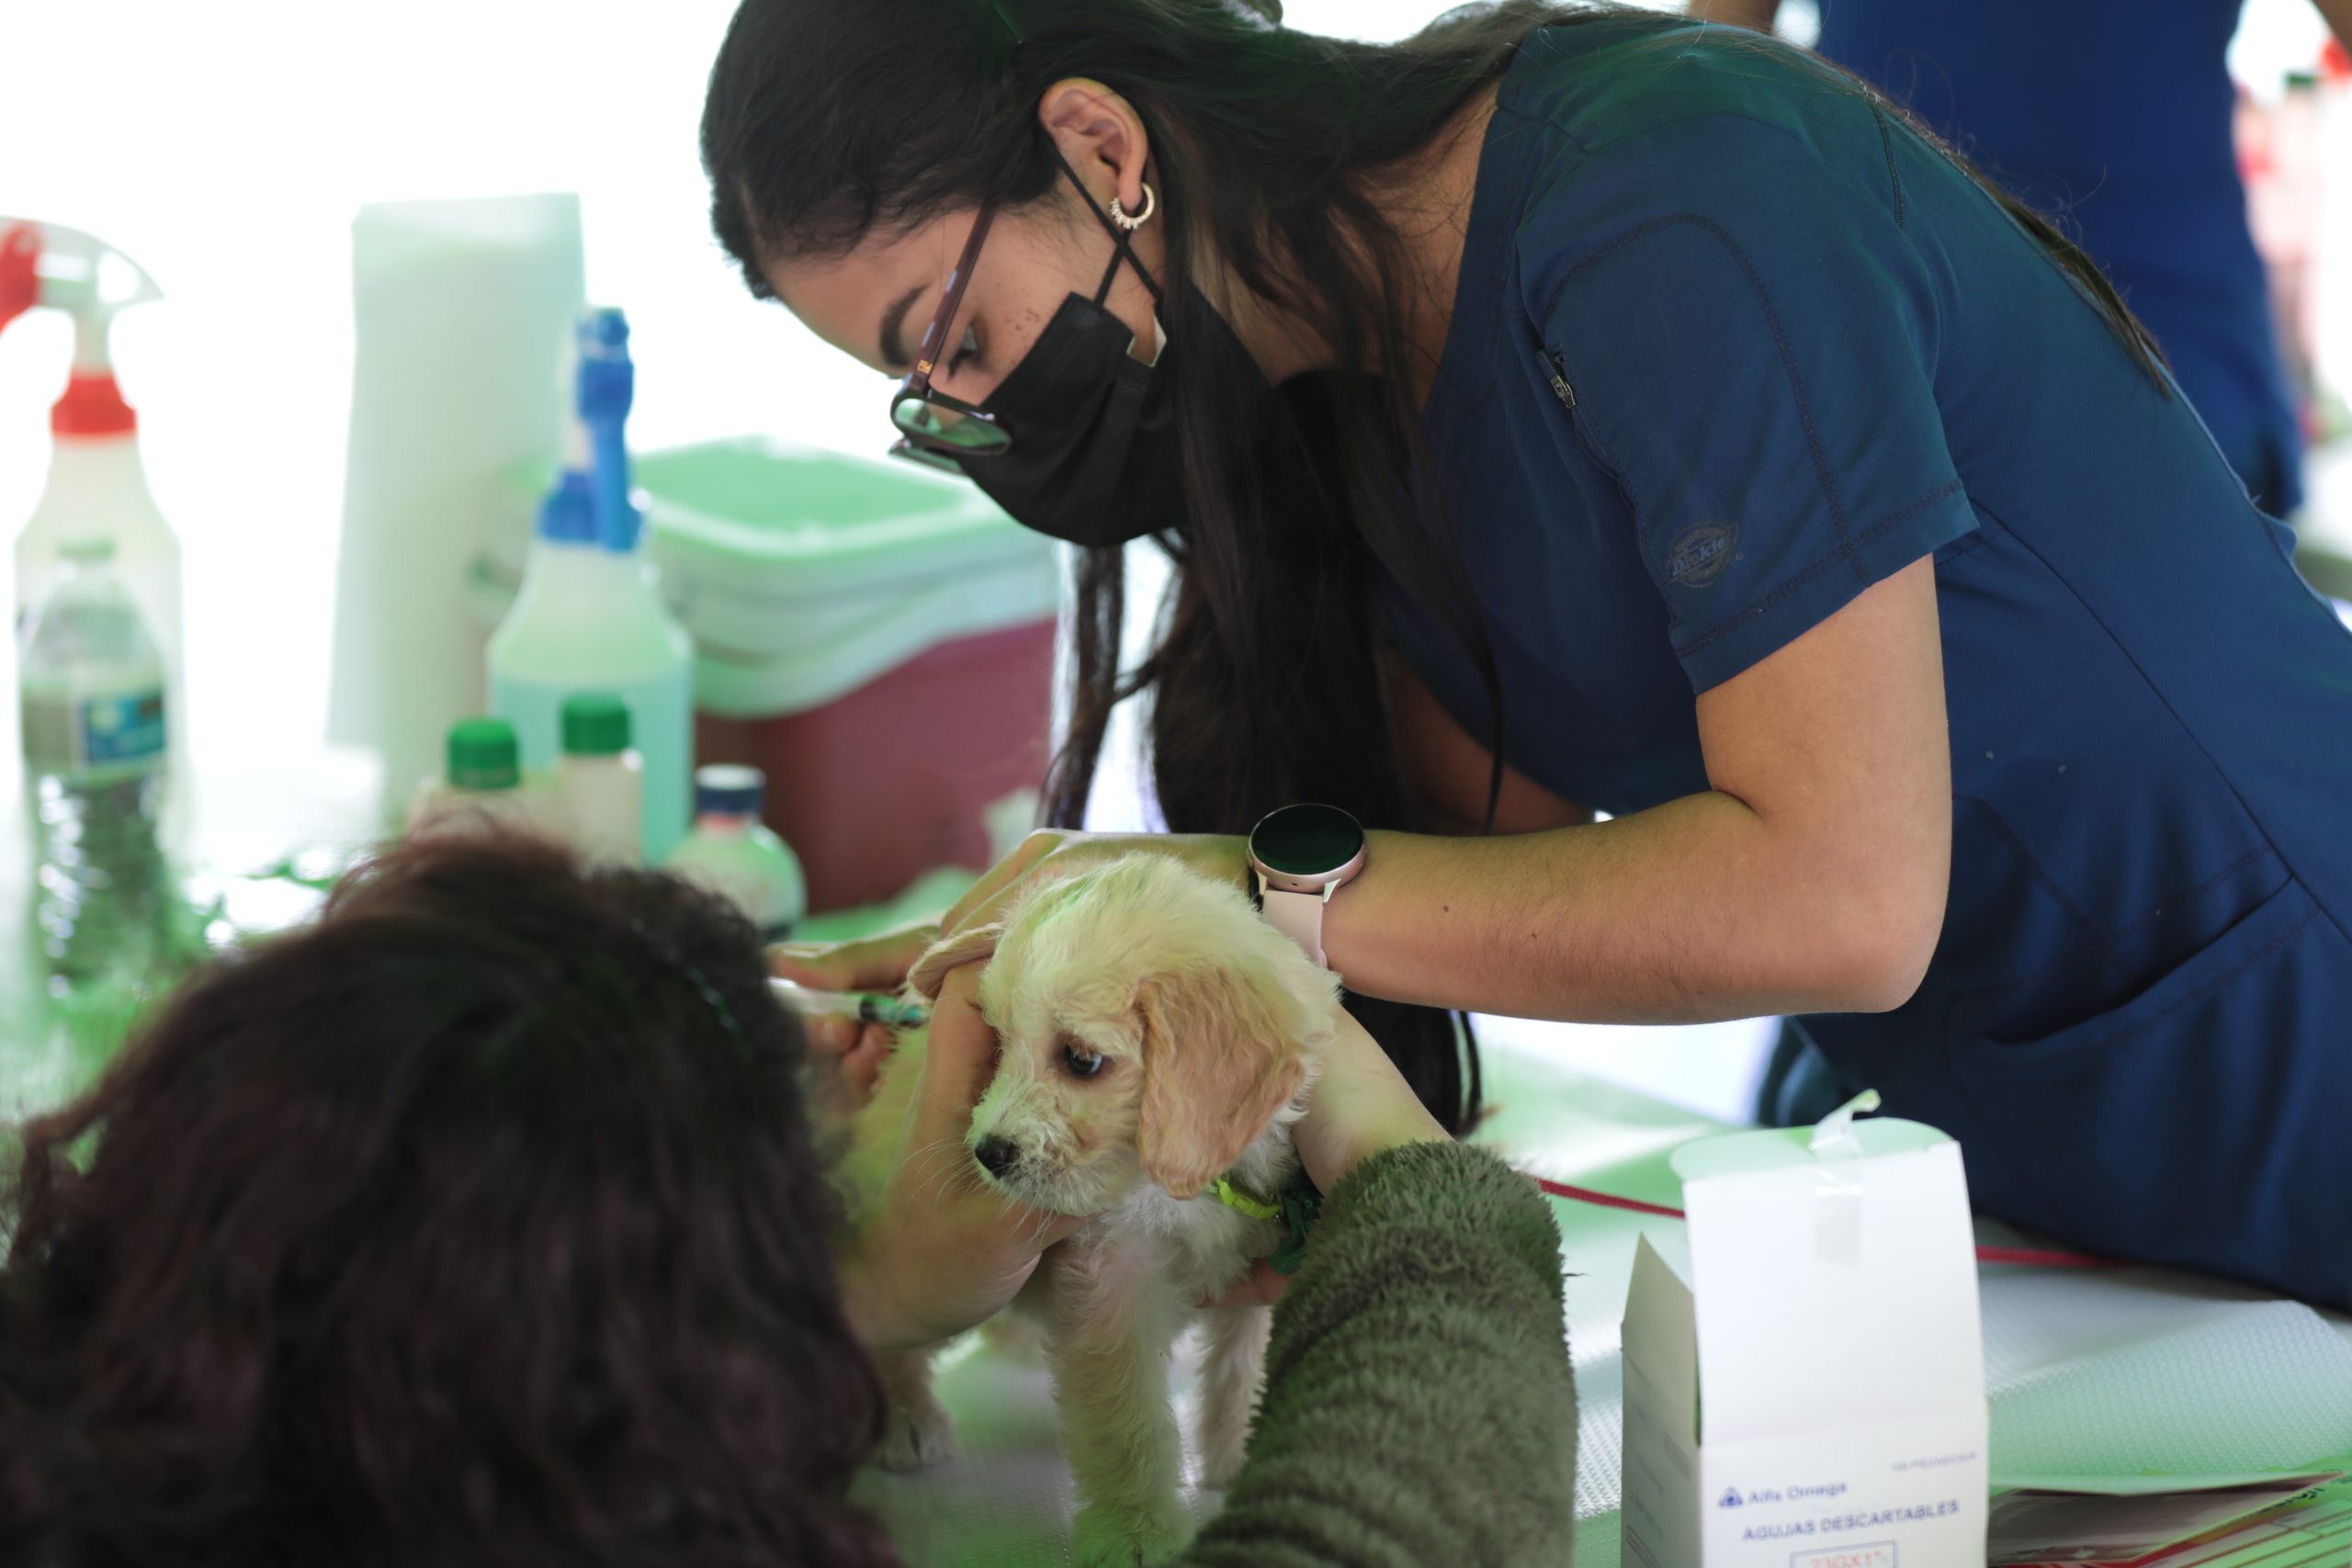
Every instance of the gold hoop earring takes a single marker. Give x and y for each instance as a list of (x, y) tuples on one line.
[(1150, 205)]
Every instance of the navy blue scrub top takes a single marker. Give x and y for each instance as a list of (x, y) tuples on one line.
[(1729, 346), (2115, 117)]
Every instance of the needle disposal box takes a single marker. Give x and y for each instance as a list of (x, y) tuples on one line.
[(1806, 1390)]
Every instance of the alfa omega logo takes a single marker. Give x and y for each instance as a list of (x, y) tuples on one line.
[(1731, 1499), (1700, 553)]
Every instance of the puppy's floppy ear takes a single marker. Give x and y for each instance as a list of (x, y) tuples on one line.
[(973, 944), (1220, 1058)]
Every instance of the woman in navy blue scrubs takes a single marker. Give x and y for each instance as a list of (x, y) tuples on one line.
[(1576, 413)]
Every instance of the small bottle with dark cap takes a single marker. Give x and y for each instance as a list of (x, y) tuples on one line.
[(733, 855)]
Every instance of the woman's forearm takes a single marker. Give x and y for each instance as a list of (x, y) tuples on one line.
[(1694, 911)]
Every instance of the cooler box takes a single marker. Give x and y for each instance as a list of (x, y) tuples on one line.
[(877, 639)]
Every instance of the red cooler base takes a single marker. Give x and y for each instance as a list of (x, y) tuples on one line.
[(875, 788)]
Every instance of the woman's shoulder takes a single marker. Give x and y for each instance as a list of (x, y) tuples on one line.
[(1618, 128), (1617, 80)]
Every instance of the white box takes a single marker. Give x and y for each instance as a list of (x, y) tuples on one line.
[(1808, 1390)]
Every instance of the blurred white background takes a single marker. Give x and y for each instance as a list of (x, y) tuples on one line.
[(226, 146)]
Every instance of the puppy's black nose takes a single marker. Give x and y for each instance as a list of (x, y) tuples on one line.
[(996, 1154)]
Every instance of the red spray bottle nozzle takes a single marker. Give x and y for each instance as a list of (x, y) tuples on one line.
[(92, 405), (19, 282), (65, 269)]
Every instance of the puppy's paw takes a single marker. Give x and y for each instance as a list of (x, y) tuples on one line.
[(1106, 1536), (920, 1435)]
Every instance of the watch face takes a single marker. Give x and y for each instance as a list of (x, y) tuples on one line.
[(1306, 840)]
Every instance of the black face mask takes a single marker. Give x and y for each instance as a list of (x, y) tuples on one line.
[(1095, 457)]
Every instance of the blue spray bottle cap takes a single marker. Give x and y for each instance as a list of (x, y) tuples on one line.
[(607, 387), (567, 513)]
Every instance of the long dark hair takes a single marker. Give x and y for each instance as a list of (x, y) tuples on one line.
[(479, 1224), (829, 119)]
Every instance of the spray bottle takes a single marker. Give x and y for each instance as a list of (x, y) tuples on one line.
[(98, 487), (590, 616)]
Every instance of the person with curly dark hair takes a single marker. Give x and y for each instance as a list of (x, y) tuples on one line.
[(480, 1223)]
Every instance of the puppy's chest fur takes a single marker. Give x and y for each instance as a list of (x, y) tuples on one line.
[(1199, 1245)]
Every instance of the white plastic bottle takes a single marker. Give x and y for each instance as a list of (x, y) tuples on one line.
[(485, 791), (600, 782), (733, 855), (96, 738), (590, 616), (96, 486)]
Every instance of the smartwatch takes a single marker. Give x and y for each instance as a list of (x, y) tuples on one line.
[(1297, 856)]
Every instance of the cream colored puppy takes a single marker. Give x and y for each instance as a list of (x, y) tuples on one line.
[(1155, 1035)]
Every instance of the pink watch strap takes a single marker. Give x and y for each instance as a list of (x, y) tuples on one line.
[(1298, 916)]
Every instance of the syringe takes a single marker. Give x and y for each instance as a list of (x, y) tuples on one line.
[(865, 1007)]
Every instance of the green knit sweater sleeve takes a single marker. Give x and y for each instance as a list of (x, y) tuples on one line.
[(1419, 1407)]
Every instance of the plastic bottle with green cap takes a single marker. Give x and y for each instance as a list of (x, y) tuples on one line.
[(483, 757), (484, 789), (600, 781)]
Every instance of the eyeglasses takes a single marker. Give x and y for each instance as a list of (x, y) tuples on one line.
[(936, 427)]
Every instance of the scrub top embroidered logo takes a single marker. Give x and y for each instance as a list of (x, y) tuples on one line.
[(1700, 553)]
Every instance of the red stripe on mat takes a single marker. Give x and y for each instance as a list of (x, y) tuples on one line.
[(2016, 1257)]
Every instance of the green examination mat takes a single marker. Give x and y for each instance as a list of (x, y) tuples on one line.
[(2106, 1375)]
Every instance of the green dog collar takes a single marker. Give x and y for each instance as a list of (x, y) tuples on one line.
[(1297, 1206), (1232, 1197)]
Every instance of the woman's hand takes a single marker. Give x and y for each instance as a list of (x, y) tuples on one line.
[(941, 1252), (1360, 1106), (1049, 853), (844, 1056), (876, 963), (880, 963)]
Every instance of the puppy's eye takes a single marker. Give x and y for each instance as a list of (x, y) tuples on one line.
[(1080, 1062)]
